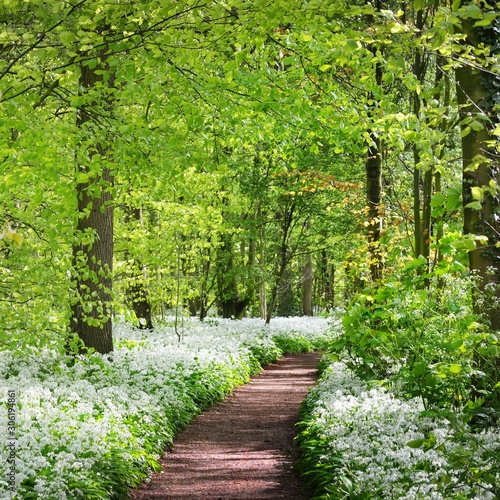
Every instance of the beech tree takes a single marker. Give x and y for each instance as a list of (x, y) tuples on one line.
[(477, 95), (93, 251), (166, 155)]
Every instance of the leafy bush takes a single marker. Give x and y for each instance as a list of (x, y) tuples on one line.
[(427, 338)]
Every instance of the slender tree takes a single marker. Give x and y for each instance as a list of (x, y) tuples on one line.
[(373, 165), (307, 286)]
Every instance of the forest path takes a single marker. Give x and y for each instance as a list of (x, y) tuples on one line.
[(241, 448)]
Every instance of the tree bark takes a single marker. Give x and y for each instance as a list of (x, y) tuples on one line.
[(231, 304), (475, 95), (93, 251), (284, 255), (373, 168), (418, 71), (137, 293), (262, 265), (422, 187), (307, 286)]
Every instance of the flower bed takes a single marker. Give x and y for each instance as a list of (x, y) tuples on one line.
[(91, 428), (364, 442)]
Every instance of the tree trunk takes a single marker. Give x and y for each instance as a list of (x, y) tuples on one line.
[(207, 284), (418, 70), (426, 222), (262, 265), (437, 222), (231, 304), (278, 279), (284, 255), (475, 96), (422, 188), (307, 286), (326, 273), (93, 252), (272, 302), (373, 167), (136, 291)]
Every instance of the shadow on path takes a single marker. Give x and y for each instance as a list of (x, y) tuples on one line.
[(243, 447)]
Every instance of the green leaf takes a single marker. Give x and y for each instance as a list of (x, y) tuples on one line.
[(430, 380), (477, 193), (455, 345), (419, 369), (354, 44), (475, 205), (455, 369), (82, 178), (465, 131), (454, 197), (493, 350), (472, 11), (477, 126), (67, 37), (465, 243), (418, 5), (488, 18), (438, 200), (416, 443)]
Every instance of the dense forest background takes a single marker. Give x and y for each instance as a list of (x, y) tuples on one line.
[(264, 158)]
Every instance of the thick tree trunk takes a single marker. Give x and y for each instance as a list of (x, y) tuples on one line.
[(231, 305), (93, 252), (475, 92)]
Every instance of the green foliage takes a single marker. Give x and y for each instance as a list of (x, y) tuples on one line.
[(428, 338), (236, 142), (266, 351), (314, 465)]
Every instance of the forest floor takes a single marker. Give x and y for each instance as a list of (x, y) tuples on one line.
[(241, 448)]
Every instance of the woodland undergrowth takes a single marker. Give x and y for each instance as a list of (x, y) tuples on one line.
[(92, 427), (409, 398)]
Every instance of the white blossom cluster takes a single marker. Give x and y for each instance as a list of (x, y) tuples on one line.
[(73, 415), (369, 429)]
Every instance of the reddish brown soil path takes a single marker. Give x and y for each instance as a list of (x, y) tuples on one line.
[(243, 447)]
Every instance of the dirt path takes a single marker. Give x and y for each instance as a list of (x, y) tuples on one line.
[(243, 447)]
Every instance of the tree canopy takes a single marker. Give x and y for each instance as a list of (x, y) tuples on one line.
[(206, 155)]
